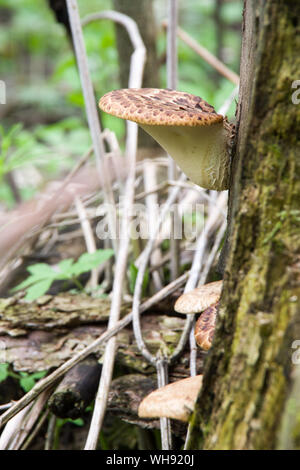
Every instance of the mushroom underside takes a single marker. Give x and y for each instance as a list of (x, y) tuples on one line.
[(200, 151)]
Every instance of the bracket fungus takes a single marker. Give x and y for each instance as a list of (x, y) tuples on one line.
[(205, 327), (199, 299), (204, 300), (185, 125), (175, 401)]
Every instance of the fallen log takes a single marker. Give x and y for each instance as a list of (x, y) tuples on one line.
[(76, 390)]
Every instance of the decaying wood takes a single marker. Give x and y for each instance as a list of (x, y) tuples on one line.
[(126, 395), (76, 390), (44, 334)]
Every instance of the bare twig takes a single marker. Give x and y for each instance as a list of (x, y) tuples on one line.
[(91, 110), (207, 56), (151, 204), (46, 382), (172, 83), (144, 259), (135, 81), (88, 237), (50, 433), (19, 427), (35, 431)]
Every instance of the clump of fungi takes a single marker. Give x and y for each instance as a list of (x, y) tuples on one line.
[(198, 139)]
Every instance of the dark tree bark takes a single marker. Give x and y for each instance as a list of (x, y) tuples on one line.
[(249, 382), (141, 12), (59, 8)]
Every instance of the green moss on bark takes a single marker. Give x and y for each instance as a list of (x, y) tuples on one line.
[(249, 371)]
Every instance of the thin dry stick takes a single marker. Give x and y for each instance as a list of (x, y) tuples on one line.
[(11, 429), (115, 154), (36, 430), (143, 262), (50, 379), (88, 237), (19, 427), (50, 433), (135, 81), (91, 110), (212, 253), (165, 424), (227, 103), (5, 406), (137, 60), (162, 372), (172, 83), (210, 225), (151, 205), (207, 56), (5, 264)]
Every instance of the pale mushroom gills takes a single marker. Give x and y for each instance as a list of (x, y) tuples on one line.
[(185, 125)]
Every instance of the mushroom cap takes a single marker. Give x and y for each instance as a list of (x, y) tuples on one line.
[(205, 327), (199, 299), (175, 400), (159, 107)]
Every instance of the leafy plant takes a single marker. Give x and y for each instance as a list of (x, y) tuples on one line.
[(133, 272), (27, 381), (17, 148), (4, 372), (42, 275)]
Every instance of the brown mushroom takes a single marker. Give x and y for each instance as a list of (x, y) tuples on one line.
[(205, 327), (185, 125), (197, 300), (174, 401)]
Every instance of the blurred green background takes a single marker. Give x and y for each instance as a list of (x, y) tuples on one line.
[(43, 128)]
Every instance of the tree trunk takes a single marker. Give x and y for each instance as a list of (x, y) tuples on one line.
[(250, 380), (142, 13)]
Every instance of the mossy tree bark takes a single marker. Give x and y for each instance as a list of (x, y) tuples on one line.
[(250, 383)]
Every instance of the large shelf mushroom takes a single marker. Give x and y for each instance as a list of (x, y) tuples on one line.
[(185, 125)]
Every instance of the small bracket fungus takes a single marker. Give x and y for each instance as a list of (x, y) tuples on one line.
[(202, 299), (185, 125), (205, 327), (174, 401), (199, 299)]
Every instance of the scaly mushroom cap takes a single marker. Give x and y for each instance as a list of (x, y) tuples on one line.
[(174, 401), (205, 327), (199, 299), (185, 125), (156, 107)]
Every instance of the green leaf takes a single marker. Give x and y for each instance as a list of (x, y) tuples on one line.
[(38, 289), (28, 381), (89, 261), (42, 275), (133, 272), (30, 280), (41, 269), (3, 372), (66, 266)]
